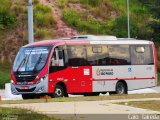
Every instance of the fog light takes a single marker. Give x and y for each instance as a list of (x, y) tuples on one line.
[(12, 81), (42, 79), (41, 89)]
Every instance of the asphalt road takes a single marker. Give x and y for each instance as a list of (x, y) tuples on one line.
[(88, 109), (85, 107)]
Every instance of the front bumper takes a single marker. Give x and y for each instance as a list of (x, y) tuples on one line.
[(39, 88)]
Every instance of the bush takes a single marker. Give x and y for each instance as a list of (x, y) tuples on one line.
[(158, 83), (120, 28), (17, 9), (71, 17), (5, 74), (43, 8), (6, 19), (43, 16), (92, 3), (43, 34), (86, 25), (61, 3), (73, 1), (35, 2)]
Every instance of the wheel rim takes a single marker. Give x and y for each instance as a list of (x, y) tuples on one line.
[(120, 89), (58, 92)]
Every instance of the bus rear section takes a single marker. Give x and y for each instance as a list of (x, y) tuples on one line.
[(85, 67), (113, 67)]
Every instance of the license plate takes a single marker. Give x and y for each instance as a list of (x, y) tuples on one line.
[(25, 87)]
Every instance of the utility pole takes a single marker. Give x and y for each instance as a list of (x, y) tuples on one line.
[(128, 19), (30, 22)]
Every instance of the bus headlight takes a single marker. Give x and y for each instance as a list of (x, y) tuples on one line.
[(12, 81), (41, 79)]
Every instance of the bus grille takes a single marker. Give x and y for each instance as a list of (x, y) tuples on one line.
[(25, 90), (25, 79)]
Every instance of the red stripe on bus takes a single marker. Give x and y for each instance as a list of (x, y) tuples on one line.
[(153, 78)]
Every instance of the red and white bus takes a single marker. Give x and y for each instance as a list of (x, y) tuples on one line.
[(86, 65)]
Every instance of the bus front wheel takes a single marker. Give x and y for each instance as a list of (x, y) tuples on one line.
[(59, 91)]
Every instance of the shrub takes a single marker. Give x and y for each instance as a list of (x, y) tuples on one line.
[(4, 73), (120, 27), (73, 1), (87, 25), (35, 2), (6, 19), (17, 9), (71, 17), (43, 34), (92, 3), (49, 17), (43, 16), (43, 8), (61, 3)]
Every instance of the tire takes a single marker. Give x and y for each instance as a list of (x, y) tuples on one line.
[(121, 88), (59, 91), (28, 96)]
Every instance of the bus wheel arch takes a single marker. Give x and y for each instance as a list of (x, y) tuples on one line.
[(60, 90), (121, 87)]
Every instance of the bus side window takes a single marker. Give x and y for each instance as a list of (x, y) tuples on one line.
[(141, 55), (97, 55), (119, 55), (76, 55)]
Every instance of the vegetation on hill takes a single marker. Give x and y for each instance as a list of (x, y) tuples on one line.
[(107, 17), (14, 33), (13, 25), (85, 16)]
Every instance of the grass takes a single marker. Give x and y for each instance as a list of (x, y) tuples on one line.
[(151, 104), (158, 83), (44, 34), (83, 23), (43, 16), (21, 114), (91, 98), (4, 74), (61, 3)]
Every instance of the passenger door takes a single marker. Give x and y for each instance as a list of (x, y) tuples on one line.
[(78, 70), (58, 64)]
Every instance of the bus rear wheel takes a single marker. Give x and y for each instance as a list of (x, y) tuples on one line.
[(121, 88), (59, 91)]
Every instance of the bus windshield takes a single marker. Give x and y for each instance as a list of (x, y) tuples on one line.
[(31, 59)]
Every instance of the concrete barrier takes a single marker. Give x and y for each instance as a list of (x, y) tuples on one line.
[(8, 95)]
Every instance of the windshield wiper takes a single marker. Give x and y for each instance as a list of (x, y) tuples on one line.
[(22, 63), (38, 61)]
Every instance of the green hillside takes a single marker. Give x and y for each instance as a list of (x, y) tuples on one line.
[(13, 30), (107, 17), (84, 16)]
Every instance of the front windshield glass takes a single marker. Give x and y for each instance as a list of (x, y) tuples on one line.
[(31, 59)]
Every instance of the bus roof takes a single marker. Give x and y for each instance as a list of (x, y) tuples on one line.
[(80, 41)]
